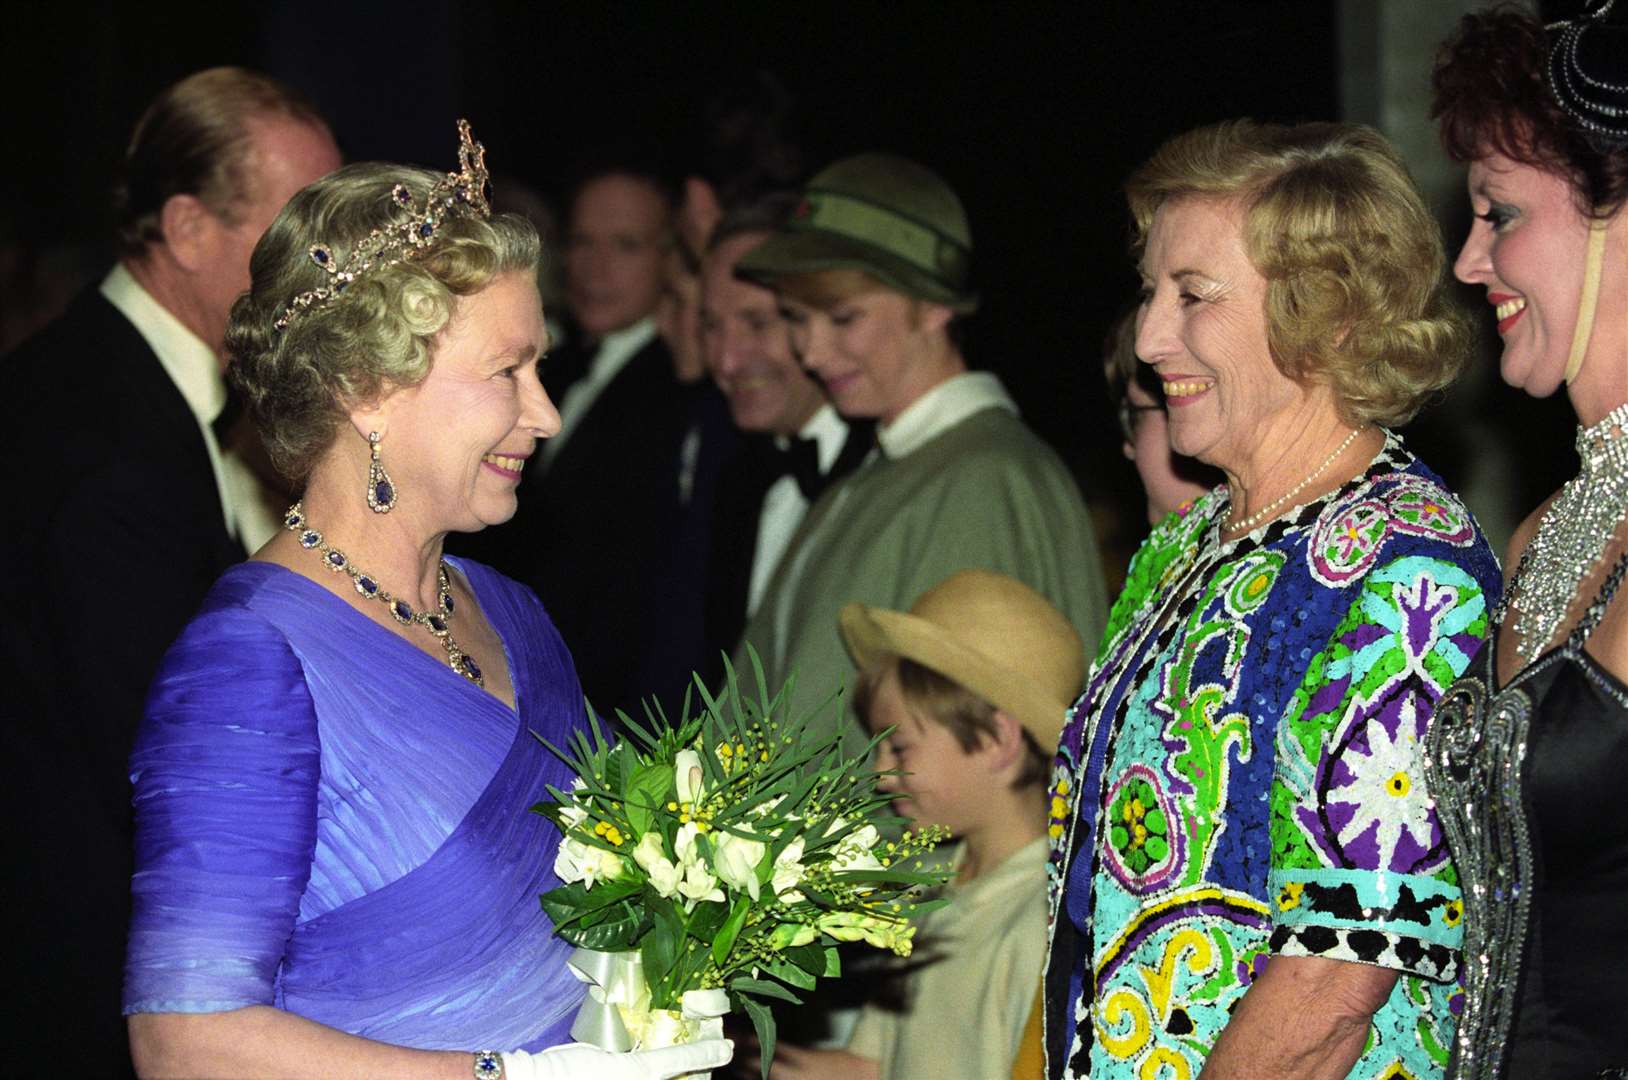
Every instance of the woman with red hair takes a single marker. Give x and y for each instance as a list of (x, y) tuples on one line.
[(1528, 750)]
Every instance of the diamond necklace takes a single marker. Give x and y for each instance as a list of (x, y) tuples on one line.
[(1572, 535), (1264, 514), (436, 622)]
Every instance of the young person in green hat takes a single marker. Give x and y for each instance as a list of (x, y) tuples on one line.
[(872, 273)]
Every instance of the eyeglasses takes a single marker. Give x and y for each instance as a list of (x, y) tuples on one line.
[(1130, 414)]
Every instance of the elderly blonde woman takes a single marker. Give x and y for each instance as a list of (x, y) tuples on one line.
[(1248, 875), (335, 871)]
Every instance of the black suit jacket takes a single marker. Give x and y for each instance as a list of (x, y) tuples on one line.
[(115, 535)]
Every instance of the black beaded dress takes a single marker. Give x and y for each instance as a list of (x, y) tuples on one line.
[(1531, 782)]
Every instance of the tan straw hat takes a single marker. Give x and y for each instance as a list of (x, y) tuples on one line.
[(992, 634)]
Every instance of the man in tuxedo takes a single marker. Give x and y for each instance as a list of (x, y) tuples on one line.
[(122, 520), (796, 444)]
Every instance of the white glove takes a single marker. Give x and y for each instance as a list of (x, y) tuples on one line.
[(576, 1061)]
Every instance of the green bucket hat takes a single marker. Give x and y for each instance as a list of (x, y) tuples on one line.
[(882, 214)]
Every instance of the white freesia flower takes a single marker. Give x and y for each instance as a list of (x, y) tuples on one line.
[(652, 857), (684, 844), (687, 776), (573, 814), (698, 885), (736, 859), (577, 861), (789, 872)]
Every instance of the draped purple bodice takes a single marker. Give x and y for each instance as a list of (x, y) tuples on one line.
[(333, 822)]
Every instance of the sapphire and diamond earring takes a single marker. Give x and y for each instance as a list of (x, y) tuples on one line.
[(381, 490)]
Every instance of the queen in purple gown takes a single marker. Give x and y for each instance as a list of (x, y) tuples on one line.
[(336, 869)]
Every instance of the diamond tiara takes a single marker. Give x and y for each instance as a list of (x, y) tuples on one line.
[(459, 194)]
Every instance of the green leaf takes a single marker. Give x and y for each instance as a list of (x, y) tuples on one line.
[(568, 903), (619, 931), (904, 877), (731, 930), (763, 1023), (645, 791), (660, 950), (791, 973), (764, 988), (820, 960), (706, 919)]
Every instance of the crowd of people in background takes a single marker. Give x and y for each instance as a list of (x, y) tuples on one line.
[(1311, 787)]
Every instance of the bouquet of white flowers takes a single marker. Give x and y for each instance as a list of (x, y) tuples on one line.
[(717, 862)]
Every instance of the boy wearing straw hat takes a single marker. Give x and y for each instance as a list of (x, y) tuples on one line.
[(972, 685)]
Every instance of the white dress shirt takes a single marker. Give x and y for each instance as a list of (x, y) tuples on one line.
[(784, 504)]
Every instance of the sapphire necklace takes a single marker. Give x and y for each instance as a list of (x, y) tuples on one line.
[(436, 622)]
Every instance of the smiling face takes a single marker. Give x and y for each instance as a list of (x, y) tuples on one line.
[(1202, 325), (943, 784), (875, 351), (1169, 480), (456, 442), (747, 349), (1527, 248)]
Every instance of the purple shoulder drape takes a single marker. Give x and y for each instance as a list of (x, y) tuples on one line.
[(333, 822)]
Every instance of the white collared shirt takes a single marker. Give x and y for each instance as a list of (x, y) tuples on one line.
[(784, 505), (922, 421), (191, 365), (615, 350), (940, 409)]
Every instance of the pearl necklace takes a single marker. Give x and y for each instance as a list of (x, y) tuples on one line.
[(437, 623), (1268, 512), (1571, 536)]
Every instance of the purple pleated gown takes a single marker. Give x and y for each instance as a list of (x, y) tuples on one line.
[(333, 822)]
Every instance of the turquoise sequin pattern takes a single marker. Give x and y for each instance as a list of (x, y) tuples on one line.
[(1242, 778)]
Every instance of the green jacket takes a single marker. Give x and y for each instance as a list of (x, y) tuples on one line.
[(986, 492)]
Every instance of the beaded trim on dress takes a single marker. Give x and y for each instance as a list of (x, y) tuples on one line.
[(1571, 537)]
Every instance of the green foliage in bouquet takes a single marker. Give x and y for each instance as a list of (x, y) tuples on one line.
[(733, 851)]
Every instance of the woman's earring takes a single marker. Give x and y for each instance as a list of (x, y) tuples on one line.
[(381, 490)]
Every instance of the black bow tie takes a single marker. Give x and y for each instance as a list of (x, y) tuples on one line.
[(800, 460)]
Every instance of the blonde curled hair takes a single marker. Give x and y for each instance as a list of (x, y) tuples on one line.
[(300, 382), (1355, 268)]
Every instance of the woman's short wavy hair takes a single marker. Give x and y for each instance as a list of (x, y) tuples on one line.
[(1355, 268), (300, 382)]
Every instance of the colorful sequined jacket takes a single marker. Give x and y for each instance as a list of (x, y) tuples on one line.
[(1242, 776)]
